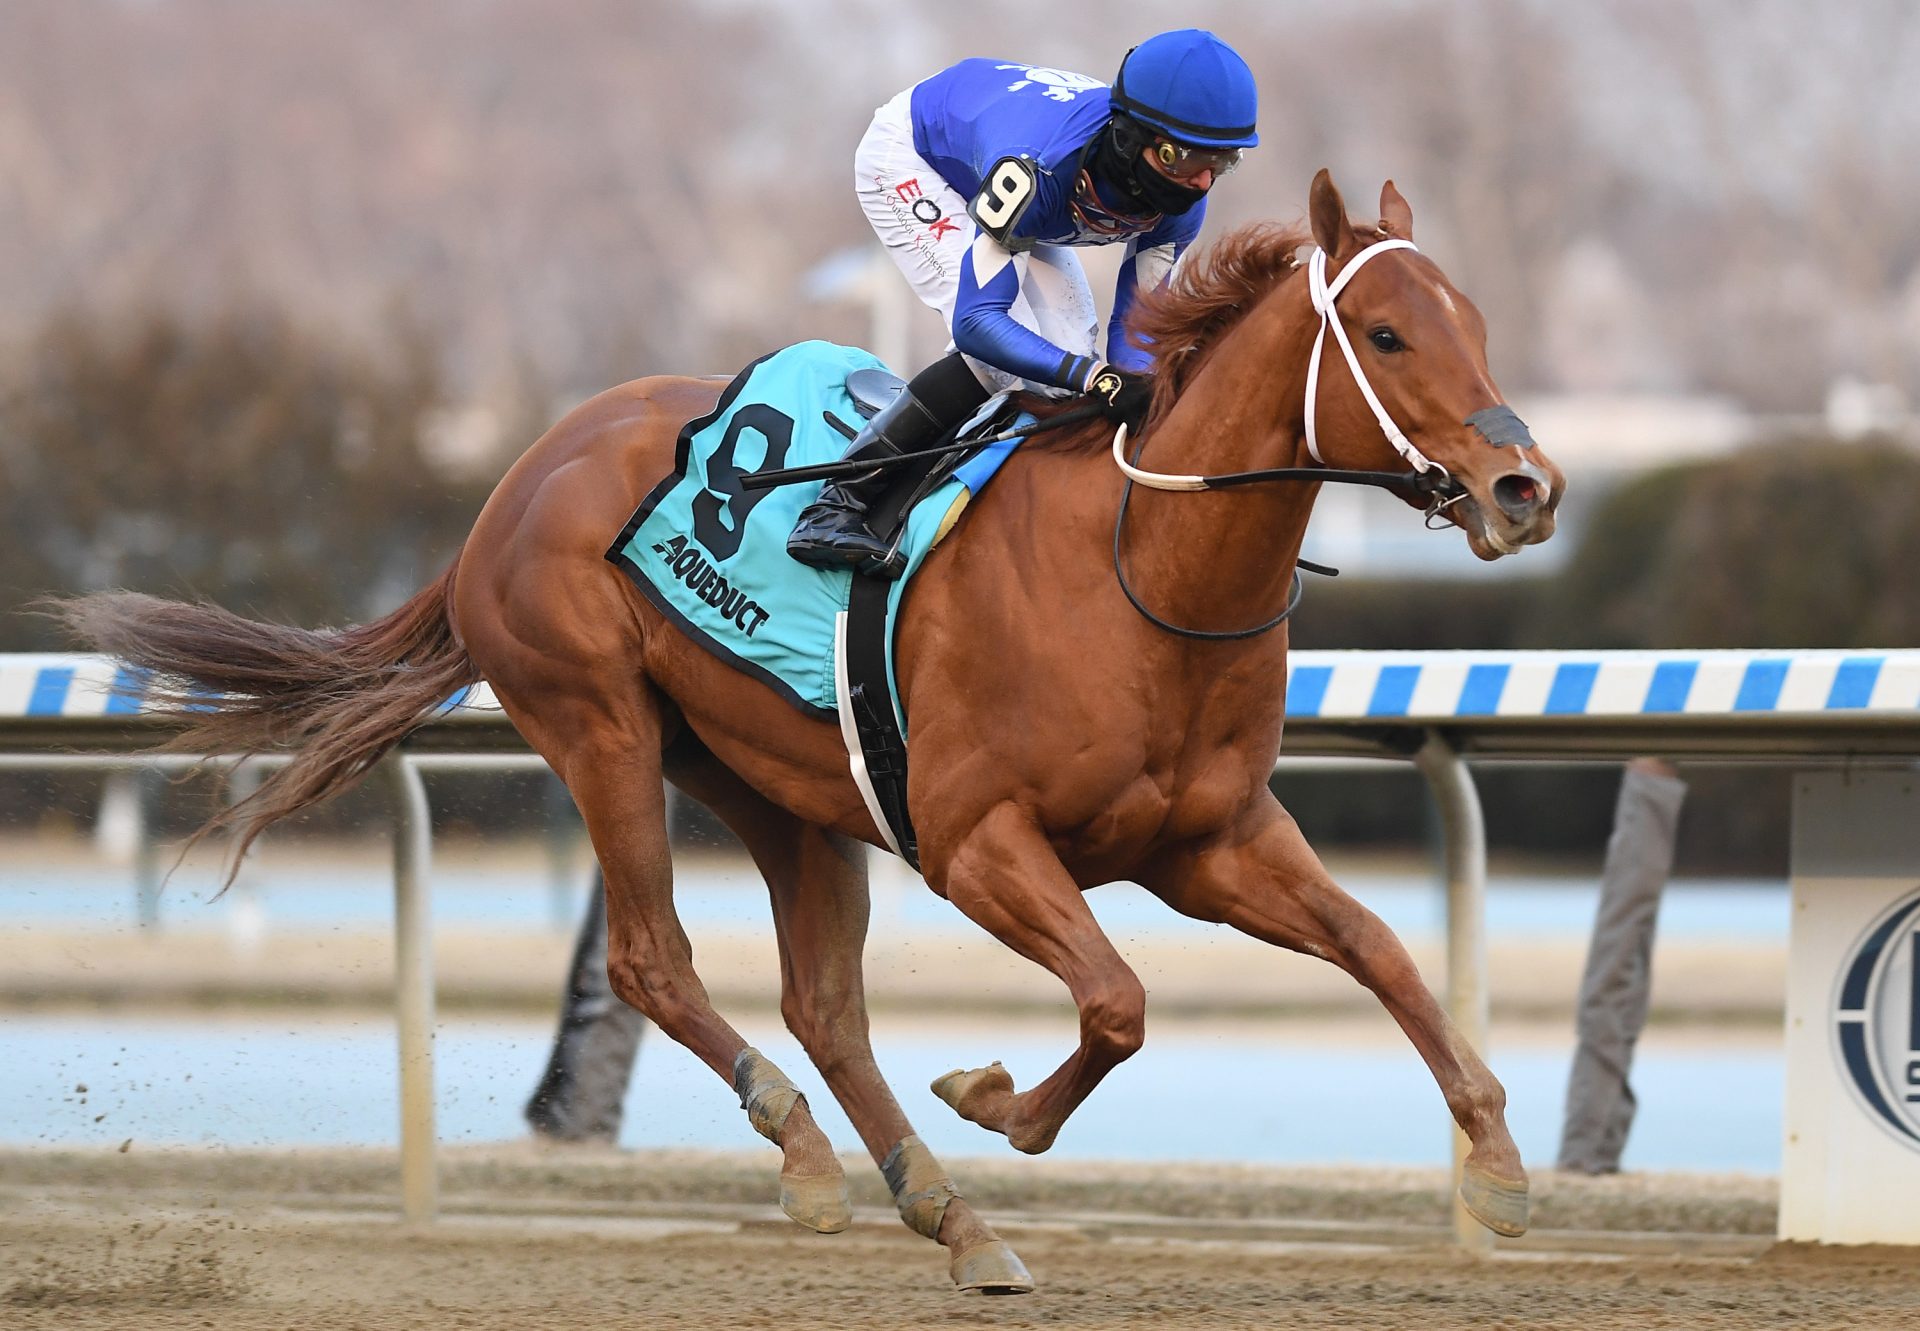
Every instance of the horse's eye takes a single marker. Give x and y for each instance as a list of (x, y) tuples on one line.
[(1384, 340)]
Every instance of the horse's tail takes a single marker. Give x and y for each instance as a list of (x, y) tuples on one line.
[(337, 699)]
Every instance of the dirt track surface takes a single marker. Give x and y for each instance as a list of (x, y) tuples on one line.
[(309, 1240)]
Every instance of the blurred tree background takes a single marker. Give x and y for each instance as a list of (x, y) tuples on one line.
[(236, 458), (284, 288), (1808, 542)]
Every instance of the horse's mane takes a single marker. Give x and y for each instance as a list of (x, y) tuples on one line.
[(1182, 321), (1210, 293)]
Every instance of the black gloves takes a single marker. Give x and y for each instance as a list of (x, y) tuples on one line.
[(1124, 396)]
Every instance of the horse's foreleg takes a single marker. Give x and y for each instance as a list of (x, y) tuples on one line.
[(818, 882), (1006, 878), (1263, 879), (610, 759)]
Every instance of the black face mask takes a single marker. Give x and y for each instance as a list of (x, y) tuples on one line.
[(1119, 163)]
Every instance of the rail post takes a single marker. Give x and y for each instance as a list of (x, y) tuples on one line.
[(147, 873), (413, 979), (1465, 835)]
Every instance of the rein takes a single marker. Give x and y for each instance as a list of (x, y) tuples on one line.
[(1427, 481), (1119, 572), (1406, 484), (767, 480)]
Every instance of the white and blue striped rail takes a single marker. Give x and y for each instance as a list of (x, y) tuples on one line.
[(1447, 686), (1324, 686), (1493, 704), (46, 687)]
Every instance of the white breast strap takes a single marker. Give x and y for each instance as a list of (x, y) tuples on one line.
[(1153, 480), (1324, 295)]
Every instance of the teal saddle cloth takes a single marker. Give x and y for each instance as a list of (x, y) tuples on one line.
[(711, 555)]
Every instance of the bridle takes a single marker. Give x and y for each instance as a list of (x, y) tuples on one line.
[(1427, 481)]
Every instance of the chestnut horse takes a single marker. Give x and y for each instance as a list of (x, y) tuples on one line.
[(1060, 740)]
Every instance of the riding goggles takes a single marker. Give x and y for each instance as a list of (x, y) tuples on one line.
[(1181, 162)]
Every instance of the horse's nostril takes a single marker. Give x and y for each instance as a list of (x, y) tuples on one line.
[(1519, 497)]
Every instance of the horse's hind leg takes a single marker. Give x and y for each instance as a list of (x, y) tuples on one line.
[(818, 882), (1262, 878), (608, 751)]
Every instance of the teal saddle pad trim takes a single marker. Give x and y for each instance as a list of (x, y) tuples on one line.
[(712, 556)]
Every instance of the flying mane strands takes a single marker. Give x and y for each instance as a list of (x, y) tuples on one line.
[(1211, 291)]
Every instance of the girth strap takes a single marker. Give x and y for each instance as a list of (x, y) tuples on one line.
[(867, 717)]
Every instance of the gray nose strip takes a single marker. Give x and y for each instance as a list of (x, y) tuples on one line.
[(1498, 426)]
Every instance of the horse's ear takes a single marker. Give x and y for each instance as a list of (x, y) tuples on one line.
[(1396, 214), (1327, 211)]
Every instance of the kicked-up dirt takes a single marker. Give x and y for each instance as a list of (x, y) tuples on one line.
[(310, 1239)]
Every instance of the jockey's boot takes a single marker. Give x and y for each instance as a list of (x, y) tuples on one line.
[(832, 531)]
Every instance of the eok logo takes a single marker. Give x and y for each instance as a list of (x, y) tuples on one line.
[(925, 211), (1876, 1017)]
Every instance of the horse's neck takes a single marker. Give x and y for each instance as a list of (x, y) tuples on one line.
[(1225, 559)]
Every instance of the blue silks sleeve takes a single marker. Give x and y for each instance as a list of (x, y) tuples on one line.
[(1150, 260), (984, 329)]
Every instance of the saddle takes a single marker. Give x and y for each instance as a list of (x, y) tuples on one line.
[(873, 389), (709, 551)]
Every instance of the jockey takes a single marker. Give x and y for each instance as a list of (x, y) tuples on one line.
[(978, 180)]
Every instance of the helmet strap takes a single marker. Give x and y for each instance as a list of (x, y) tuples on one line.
[(1118, 162), (1110, 164)]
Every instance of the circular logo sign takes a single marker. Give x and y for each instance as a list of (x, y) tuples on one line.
[(1876, 1019)]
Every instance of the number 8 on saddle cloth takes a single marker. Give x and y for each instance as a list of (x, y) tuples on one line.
[(711, 556)]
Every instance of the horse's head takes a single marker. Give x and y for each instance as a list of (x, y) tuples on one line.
[(1419, 346)]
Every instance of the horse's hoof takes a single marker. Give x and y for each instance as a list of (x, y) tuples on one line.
[(818, 1201), (1499, 1204), (991, 1268), (972, 1095)]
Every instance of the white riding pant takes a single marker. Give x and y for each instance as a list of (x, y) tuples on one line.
[(923, 223)]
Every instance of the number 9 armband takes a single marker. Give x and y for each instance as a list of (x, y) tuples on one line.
[(1005, 194)]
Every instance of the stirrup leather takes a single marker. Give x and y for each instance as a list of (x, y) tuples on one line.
[(832, 531)]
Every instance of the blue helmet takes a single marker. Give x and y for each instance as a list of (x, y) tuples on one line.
[(1192, 87)]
